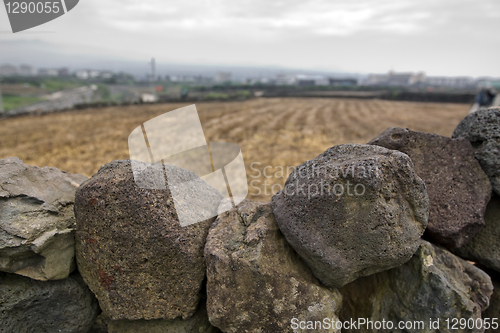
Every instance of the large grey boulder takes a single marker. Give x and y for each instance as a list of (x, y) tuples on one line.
[(458, 188), (482, 129), (484, 247), (434, 284), (198, 323), (353, 211), (28, 305), (132, 251), (37, 221), (255, 281)]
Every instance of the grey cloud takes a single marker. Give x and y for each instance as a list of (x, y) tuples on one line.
[(314, 16), (440, 37)]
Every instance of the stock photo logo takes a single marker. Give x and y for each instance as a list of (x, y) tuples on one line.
[(25, 15), (171, 151)]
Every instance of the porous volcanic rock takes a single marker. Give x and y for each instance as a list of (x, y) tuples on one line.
[(198, 323), (255, 281), (482, 129), (37, 221), (131, 249), (353, 211), (434, 284), (458, 188), (484, 247), (28, 305)]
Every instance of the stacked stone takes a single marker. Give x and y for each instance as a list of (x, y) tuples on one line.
[(380, 232), (367, 242), (39, 290), (146, 270)]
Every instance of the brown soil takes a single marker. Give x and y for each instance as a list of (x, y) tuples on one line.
[(280, 133)]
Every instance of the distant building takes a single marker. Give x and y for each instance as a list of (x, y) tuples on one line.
[(284, 79), (453, 82), (203, 79), (311, 80), (85, 74), (182, 78), (63, 72), (82, 74), (199, 79), (173, 78), (260, 80), (27, 70), (396, 79), (222, 77), (413, 79), (488, 83), (375, 79), (417, 78), (342, 82), (107, 75), (94, 74), (148, 98), (48, 72), (8, 70), (400, 79), (303, 82)]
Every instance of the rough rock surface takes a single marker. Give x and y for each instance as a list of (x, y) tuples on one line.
[(37, 221), (255, 281), (28, 305), (493, 311), (433, 284), (198, 323), (458, 188), (131, 249), (353, 211), (484, 247), (100, 324), (482, 129)]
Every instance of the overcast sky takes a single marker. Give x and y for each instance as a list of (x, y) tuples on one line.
[(440, 37)]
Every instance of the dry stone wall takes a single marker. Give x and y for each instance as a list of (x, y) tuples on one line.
[(404, 229)]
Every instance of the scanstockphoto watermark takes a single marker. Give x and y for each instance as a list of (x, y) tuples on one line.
[(171, 151), (358, 324), (324, 188), (335, 180), (434, 324)]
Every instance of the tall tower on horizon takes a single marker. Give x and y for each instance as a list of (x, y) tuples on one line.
[(153, 70)]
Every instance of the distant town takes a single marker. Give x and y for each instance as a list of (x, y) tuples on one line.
[(26, 89), (392, 78)]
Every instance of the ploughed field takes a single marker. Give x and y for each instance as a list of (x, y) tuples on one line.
[(275, 135)]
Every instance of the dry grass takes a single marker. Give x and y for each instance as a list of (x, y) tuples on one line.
[(273, 132)]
